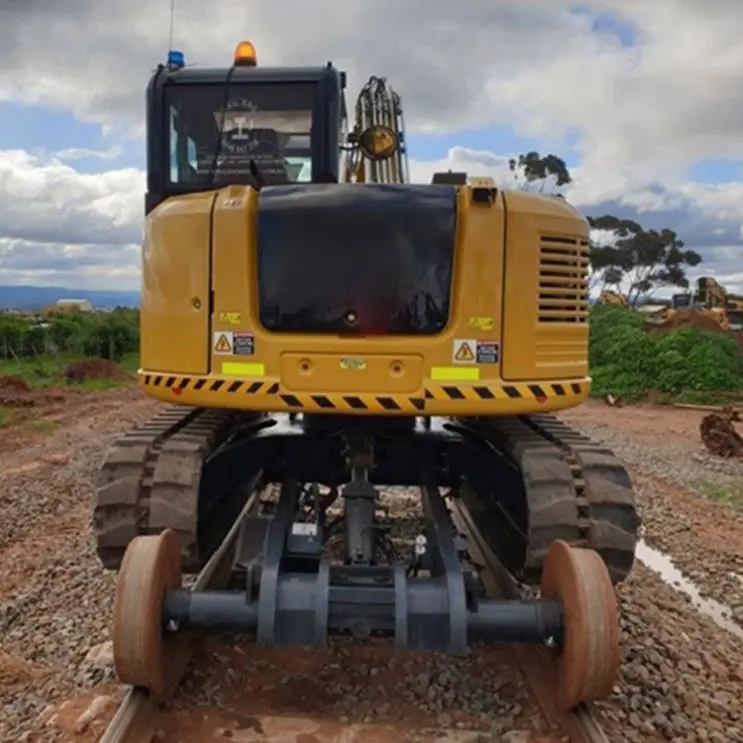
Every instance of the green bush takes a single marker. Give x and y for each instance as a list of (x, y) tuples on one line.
[(110, 335), (629, 362)]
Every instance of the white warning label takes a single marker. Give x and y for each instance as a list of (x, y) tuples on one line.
[(223, 343), (463, 350)]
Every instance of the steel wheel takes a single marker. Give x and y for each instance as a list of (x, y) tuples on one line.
[(589, 661), (144, 655)]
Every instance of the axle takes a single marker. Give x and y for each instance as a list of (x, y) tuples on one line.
[(228, 611), (295, 596)]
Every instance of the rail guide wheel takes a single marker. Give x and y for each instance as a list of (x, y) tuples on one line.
[(145, 655), (589, 658)]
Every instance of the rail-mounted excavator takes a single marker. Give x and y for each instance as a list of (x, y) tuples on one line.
[(323, 326)]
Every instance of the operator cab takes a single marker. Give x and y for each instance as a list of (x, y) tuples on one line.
[(250, 125)]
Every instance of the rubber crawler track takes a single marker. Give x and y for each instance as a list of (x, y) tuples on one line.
[(150, 480), (576, 490)]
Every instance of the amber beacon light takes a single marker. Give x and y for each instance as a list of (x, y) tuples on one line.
[(245, 54)]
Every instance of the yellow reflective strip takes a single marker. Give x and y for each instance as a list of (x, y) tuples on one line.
[(242, 369), (455, 372)]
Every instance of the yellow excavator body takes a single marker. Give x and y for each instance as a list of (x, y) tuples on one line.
[(317, 319), (515, 340)]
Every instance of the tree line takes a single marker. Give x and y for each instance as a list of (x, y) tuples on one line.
[(108, 335), (623, 255)]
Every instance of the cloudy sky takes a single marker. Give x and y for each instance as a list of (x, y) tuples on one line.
[(642, 99)]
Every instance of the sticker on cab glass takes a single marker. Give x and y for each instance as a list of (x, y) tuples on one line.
[(243, 344), (222, 343), (488, 352), (463, 351)]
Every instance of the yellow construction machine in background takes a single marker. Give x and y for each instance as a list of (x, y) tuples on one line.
[(608, 296), (712, 301)]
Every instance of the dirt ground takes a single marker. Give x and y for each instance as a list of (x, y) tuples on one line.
[(681, 679)]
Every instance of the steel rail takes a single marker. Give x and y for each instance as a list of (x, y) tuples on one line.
[(133, 720), (536, 662)]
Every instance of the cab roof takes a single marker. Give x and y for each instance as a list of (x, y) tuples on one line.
[(198, 75)]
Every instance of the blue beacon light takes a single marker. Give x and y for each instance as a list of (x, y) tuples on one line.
[(176, 59)]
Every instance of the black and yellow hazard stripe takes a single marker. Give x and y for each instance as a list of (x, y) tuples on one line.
[(369, 402), (355, 403), (538, 392), (292, 401), (206, 384)]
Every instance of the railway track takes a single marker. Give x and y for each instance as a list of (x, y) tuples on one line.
[(136, 719), (133, 721), (536, 663)]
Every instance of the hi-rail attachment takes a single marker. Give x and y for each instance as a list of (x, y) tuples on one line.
[(293, 594)]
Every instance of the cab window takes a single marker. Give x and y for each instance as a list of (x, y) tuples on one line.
[(268, 124)]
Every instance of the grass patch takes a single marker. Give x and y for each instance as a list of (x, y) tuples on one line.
[(42, 425), (48, 371), (9, 416), (729, 494), (94, 385), (130, 362), (39, 372)]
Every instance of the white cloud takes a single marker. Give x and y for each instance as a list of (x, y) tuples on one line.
[(44, 200), (535, 65), (81, 153), (639, 115), (82, 229)]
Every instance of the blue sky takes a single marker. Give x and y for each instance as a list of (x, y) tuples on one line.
[(635, 97)]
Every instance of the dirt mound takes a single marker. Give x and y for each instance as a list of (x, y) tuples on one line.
[(10, 384), (94, 369), (685, 319), (15, 392), (719, 434)]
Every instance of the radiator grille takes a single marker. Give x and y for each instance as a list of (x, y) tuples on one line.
[(563, 280)]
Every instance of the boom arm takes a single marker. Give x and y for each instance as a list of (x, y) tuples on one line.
[(379, 106)]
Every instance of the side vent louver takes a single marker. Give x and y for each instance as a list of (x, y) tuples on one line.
[(563, 280)]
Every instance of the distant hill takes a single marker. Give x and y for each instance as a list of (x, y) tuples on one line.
[(35, 297)]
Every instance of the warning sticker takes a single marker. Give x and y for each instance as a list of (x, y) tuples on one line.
[(222, 343), (481, 323), (230, 318), (243, 344), (463, 351), (488, 352)]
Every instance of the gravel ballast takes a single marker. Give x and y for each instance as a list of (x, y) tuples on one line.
[(681, 679), (672, 472)]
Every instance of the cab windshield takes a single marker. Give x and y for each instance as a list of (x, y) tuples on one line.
[(268, 123)]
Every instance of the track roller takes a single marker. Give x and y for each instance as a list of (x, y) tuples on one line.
[(589, 657), (145, 655)]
